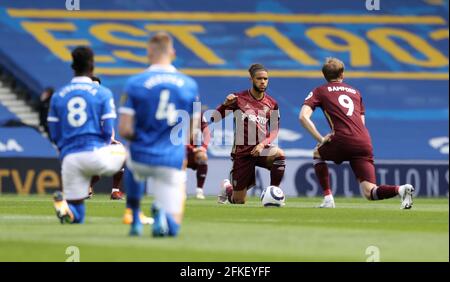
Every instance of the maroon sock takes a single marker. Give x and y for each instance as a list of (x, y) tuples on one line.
[(321, 169), (277, 171), (94, 179), (202, 170), (117, 180), (383, 192)]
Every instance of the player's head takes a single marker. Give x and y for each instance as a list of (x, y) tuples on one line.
[(333, 69), (83, 61), (96, 79), (259, 77), (160, 48)]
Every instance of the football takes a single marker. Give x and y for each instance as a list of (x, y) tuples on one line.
[(272, 196)]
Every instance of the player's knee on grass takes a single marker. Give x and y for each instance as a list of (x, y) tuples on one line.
[(201, 158), (366, 188), (238, 197), (280, 153)]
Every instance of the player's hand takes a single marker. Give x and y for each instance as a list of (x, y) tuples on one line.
[(114, 141), (326, 139), (231, 99), (257, 150)]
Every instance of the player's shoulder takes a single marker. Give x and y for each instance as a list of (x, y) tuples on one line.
[(321, 88), (103, 91), (241, 93), (270, 98), (137, 78)]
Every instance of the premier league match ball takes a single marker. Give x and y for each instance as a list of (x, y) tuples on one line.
[(272, 196)]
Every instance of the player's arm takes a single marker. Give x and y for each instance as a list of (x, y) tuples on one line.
[(228, 106), (363, 111), (53, 123), (126, 126), (305, 120), (126, 119), (206, 134), (195, 132), (108, 117), (273, 128)]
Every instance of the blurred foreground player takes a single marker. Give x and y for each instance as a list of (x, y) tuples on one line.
[(153, 102), (349, 139), (256, 117), (117, 186), (81, 122)]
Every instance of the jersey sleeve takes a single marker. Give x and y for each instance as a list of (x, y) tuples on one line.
[(52, 115), (108, 106), (53, 122), (313, 99), (127, 106)]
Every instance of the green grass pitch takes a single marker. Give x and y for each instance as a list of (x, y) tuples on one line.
[(29, 231)]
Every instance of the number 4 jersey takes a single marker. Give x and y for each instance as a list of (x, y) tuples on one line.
[(78, 112), (159, 98), (343, 107)]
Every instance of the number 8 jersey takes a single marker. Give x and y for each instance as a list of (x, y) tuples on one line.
[(343, 107), (79, 111)]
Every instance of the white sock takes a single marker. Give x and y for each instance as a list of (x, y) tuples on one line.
[(115, 190), (329, 197)]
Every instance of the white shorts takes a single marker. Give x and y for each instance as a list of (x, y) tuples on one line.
[(78, 168), (169, 185)]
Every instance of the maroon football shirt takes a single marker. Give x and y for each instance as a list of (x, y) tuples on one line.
[(342, 105), (256, 121)]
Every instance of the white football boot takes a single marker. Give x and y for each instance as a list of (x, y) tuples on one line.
[(406, 195), (328, 202), (222, 198), (199, 194)]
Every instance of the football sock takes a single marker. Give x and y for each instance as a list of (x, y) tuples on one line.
[(202, 170), (321, 169), (383, 192), (134, 189), (94, 179), (174, 227), (117, 180), (134, 205), (277, 171), (78, 211)]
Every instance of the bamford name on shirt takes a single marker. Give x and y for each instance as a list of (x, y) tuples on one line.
[(341, 88)]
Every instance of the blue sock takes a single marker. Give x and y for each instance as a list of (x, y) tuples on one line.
[(135, 191), (134, 205), (79, 211), (174, 227)]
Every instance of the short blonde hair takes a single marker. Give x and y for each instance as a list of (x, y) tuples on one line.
[(332, 68)]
